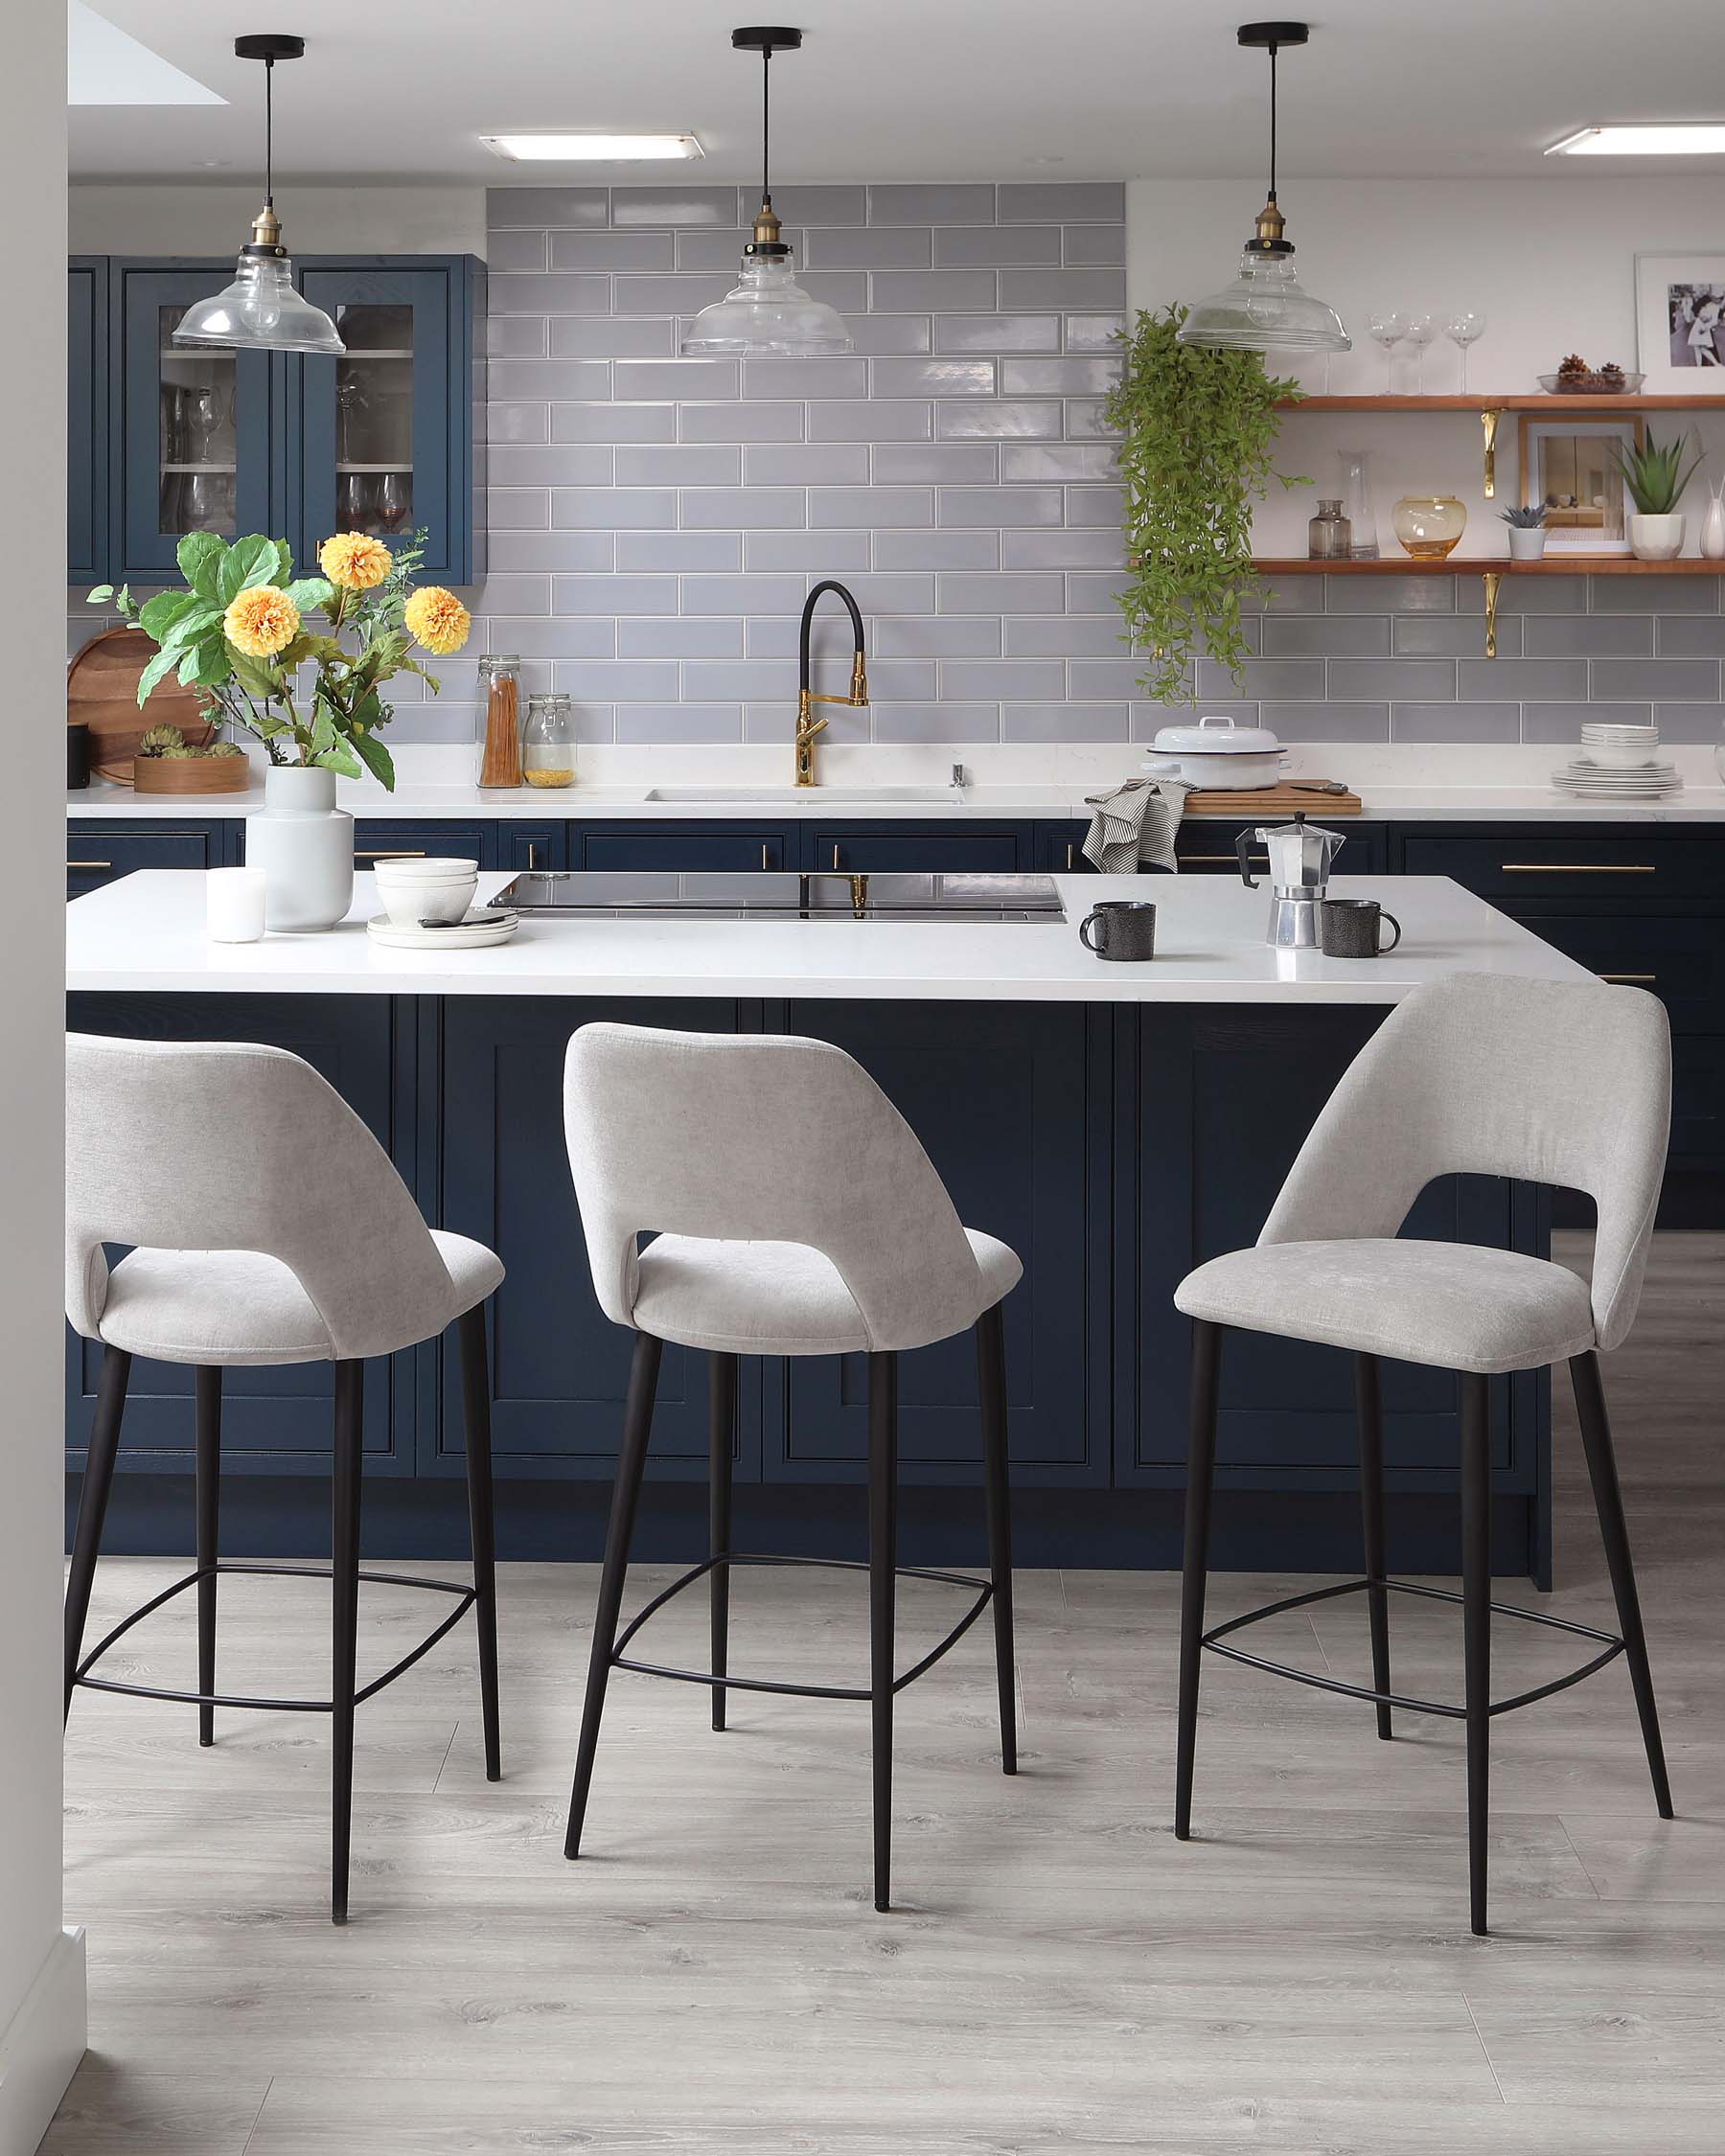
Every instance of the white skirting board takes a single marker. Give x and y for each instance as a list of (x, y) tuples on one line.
[(39, 2053)]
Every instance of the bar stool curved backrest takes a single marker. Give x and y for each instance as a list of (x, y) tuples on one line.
[(765, 1139), (211, 1145), (1565, 1083)]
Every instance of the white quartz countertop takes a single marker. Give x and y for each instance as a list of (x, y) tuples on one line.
[(146, 932), (415, 803)]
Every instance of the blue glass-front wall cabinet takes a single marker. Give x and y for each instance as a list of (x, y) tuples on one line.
[(165, 441)]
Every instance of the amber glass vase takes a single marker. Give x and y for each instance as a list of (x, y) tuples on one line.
[(1429, 526)]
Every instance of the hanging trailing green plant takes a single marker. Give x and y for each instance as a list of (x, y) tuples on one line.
[(1199, 427)]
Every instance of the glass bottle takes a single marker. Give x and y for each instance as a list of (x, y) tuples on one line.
[(1354, 470), (548, 742), (500, 721), (1329, 537)]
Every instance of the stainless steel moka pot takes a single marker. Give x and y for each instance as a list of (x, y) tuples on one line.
[(1300, 854)]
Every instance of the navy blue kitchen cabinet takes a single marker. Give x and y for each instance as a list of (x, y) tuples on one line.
[(1011, 1102), (86, 419), (559, 1367), (275, 1420), (529, 845), (1206, 845), (376, 841), (1055, 848), (196, 439), (390, 437), (886, 848), (99, 848), (683, 848)]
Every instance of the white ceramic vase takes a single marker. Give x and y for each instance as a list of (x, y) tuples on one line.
[(304, 845), (1656, 538), (1527, 543), (1712, 529)]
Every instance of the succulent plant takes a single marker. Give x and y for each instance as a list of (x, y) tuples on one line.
[(1528, 519), (1655, 473), (163, 741), (224, 748)]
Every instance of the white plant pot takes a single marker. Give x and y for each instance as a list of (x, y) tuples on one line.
[(1712, 530), (1656, 538), (304, 845), (1527, 543)]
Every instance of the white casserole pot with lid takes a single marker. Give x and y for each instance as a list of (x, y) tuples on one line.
[(1218, 752)]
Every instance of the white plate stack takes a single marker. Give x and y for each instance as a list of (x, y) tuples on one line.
[(1618, 763)]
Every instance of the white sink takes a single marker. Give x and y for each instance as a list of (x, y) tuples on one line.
[(807, 796)]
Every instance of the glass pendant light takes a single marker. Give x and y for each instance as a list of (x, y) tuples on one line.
[(768, 312), (261, 310), (1266, 309)]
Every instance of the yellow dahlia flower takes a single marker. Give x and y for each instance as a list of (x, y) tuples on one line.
[(354, 562), (438, 620), (261, 622)]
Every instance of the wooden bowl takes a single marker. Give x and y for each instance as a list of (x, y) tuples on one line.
[(191, 775)]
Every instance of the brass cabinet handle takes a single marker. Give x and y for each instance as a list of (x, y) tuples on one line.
[(765, 862), (1630, 980), (1226, 860), (533, 852), (72, 864), (1071, 847), (389, 853), (1576, 868), (835, 852)]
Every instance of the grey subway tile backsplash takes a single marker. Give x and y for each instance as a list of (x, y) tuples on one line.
[(657, 521)]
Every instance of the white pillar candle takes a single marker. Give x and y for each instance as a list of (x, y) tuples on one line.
[(234, 904)]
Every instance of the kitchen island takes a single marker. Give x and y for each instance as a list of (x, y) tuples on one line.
[(1116, 1124)]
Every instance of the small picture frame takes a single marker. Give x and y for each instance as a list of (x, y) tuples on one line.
[(1570, 466), (1680, 324)]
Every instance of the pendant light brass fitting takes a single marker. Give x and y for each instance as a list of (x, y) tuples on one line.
[(266, 233), (1268, 237)]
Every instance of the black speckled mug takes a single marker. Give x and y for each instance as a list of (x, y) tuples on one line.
[(1124, 928), (1354, 927)]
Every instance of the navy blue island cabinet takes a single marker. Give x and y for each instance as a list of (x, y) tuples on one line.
[(163, 441)]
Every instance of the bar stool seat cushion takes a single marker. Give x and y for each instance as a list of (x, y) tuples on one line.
[(235, 1307), (773, 1298), (1454, 1304)]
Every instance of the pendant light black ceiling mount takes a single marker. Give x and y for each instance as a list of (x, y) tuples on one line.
[(261, 310), (1266, 307), (768, 312)]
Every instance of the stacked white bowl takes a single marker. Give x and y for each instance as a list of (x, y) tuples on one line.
[(1619, 747), (433, 889)]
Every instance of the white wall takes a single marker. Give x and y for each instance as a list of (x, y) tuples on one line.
[(1550, 262), (319, 221), (41, 1982)]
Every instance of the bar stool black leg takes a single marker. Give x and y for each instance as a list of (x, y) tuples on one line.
[(991, 1375), (92, 1504), (476, 1414), (637, 1428), (1608, 1502), (208, 1383), (1475, 1619), (722, 1422), (883, 1584), (1201, 1465), (344, 1631), (1369, 1396)]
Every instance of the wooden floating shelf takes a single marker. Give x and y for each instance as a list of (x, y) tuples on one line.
[(1540, 401), (1573, 565)]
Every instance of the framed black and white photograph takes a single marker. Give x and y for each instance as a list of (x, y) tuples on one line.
[(1570, 466), (1680, 322)]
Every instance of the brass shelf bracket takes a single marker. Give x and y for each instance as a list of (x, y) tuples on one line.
[(1488, 426), (1493, 581)]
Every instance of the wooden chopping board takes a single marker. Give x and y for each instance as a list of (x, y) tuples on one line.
[(1280, 800), (102, 691)]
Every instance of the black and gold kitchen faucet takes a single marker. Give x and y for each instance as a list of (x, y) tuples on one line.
[(807, 724)]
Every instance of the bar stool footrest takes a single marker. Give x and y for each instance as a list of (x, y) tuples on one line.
[(984, 1590), (465, 1599), (1612, 1646)]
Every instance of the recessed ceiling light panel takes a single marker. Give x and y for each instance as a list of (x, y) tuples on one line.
[(569, 149), (1705, 138)]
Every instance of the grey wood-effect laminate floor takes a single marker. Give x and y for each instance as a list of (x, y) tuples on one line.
[(1060, 1974)]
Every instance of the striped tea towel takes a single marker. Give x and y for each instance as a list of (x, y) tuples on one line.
[(1135, 825)]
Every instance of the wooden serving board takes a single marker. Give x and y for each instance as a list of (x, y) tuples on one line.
[(101, 690), (1279, 800)]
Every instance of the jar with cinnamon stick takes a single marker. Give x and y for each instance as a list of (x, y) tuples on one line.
[(500, 721)]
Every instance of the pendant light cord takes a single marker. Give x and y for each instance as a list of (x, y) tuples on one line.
[(268, 133), (766, 124), (1273, 122)]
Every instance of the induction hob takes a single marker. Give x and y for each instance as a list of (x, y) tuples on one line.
[(821, 895)]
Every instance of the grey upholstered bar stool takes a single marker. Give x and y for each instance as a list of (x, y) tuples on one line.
[(793, 1213), (269, 1225), (1563, 1083)]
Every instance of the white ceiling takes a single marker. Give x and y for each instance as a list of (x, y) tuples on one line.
[(920, 89)]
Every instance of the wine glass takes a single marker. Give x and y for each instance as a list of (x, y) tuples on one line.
[(393, 501), (1420, 332), (1386, 330), (1462, 329), (352, 501)]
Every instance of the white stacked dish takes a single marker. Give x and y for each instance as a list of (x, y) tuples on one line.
[(432, 887), (476, 932), (1217, 753), (1615, 748), (1618, 762)]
